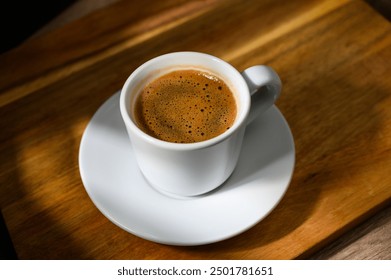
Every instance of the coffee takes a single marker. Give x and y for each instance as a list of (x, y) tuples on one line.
[(185, 106)]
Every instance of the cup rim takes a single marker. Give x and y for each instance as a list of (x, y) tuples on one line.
[(238, 123)]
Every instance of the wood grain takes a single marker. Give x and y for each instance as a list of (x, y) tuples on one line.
[(369, 241), (332, 58), (105, 33)]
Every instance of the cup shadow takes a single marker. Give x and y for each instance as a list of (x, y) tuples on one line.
[(267, 140), (324, 156)]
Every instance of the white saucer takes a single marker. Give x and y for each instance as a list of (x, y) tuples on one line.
[(118, 189)]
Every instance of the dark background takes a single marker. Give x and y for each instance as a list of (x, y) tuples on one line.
[(19, 19)]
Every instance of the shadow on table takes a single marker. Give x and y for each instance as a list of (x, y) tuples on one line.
[(382, 6), (332, 120), (7, 251), (41, 179)]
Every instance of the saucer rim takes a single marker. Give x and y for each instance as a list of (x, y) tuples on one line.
[(157, 239)]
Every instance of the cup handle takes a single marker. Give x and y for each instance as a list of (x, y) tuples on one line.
[(265, 87)]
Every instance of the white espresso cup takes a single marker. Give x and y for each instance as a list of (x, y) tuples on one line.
[(190, 169)]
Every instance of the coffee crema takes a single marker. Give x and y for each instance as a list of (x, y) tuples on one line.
[(185, 106)]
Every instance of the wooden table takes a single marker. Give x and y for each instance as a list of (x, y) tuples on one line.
[(333, 57)]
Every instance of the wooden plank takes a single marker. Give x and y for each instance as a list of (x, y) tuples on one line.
[(51, 57), (369, 241), (331, 56)]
